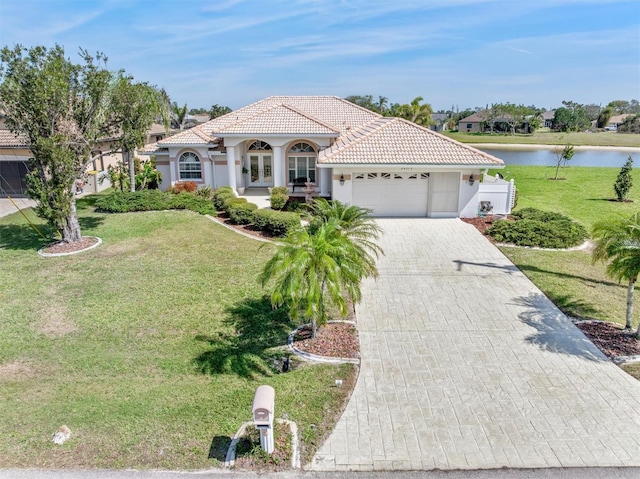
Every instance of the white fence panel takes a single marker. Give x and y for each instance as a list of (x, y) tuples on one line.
[(500, 193)]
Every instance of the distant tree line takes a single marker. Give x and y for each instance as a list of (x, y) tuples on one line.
[(512, 118)]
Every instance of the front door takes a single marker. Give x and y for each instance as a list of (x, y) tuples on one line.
[(260, 170)]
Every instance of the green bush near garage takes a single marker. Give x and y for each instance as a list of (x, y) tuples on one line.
[(536, 228)]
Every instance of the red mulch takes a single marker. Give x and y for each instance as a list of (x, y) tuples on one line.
[(336, 340), (62, 247), (611, 339), (483, 224)]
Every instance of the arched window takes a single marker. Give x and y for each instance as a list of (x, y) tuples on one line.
[(302, 162), (259, 145), (190, 166)]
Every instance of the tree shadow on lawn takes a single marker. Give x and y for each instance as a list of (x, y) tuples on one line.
[(256, 328), (586, 280), (23, 237), (554, 332)]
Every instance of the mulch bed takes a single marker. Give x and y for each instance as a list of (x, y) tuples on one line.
[(62, 247), (483, 224), (611, 339), (249, 229), (336, 340)]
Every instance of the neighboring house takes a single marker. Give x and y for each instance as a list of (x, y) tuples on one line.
[(348, 153), (547, 118), (13, 163), (473, 123), (439, 121), (616, 121)]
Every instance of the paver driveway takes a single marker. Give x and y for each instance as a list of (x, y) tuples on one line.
[(467, 365)]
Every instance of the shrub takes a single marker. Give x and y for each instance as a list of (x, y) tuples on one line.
[(232, 201), (278, 201), (242, 213), (278, 223), (220, 195), (624, 181), (188, 201), (150, 200), (280, 190), (189, 186), (126, 201), (537, 228), (205, 192)]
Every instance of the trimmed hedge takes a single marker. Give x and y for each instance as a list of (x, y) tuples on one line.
[(536, 228), (278, 200), (152, 200), (242, 213), (280, 190), (278, 223), (229, 202), (220, 195)]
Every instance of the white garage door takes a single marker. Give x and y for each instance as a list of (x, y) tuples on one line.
[(392, 194)]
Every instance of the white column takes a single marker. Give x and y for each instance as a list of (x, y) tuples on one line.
[(210, 179), (325, 180), (278, 167), (231, 166), (173, 167)]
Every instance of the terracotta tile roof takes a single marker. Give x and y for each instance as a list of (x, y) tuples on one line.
[(192, 136), (278, 119), (335, 113), (398, 141), (11, 140)]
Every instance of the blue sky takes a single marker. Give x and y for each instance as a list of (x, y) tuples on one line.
[(465, 53)]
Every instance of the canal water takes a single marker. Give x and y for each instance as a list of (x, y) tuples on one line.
[(547, 156)]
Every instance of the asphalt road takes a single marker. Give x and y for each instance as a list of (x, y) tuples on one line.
[(558, 473)]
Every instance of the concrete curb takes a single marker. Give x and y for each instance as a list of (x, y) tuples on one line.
[(51, 255), (240, 232), (295, 450), (314, 357)]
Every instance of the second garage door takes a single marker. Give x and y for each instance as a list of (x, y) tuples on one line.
[(392, 194)]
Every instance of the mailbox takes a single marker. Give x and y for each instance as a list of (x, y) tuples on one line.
[(263, 407)]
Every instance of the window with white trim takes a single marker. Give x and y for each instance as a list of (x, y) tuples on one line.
[(190, 166), (302, 162)]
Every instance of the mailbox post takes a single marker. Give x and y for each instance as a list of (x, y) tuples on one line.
[(263, 406)]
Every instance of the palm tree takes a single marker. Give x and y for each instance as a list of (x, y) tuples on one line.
[(417, 113), (314, 270), (355, 222), (618, 242), (179, 115)]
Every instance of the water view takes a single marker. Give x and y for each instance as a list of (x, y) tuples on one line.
[(547, 157)]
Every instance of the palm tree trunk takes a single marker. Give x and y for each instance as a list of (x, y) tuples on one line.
[(632, 282)]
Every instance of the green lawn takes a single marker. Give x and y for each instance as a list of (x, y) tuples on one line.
[(568, 278), (552, 138), (585, 194), (149, 347)]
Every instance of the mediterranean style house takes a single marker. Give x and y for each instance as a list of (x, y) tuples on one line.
[(347, 153)]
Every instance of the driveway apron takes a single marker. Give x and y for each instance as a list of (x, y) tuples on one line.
[(467, 365)]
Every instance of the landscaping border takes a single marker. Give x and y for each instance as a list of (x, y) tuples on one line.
[(317, 358)]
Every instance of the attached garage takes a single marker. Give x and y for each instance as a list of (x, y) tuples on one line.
[(12, 178), (392, 194)]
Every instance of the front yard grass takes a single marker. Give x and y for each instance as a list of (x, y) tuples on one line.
[(149, 347)]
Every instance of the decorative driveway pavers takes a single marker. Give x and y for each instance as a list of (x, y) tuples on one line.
[(467, 365)]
